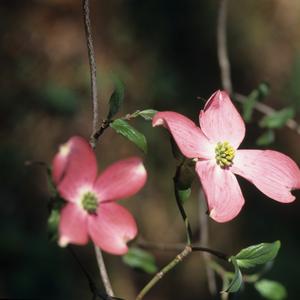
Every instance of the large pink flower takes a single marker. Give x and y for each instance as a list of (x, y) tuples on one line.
[(91, 209), (214, 146)]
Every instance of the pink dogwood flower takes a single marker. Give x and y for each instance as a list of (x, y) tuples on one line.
[(91, 210), (214, 147)]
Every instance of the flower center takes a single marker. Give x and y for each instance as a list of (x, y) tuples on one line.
[(224, 154), (89, 202)]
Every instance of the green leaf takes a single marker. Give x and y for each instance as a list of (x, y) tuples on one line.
[(237, 279), (184, 194), (263, 90), (257, 254), (267, 138), (116, 99), (255, 96), (278, 119), (271, 290), (147, 114), (53, 221), (140, 259), (248, 106), (122, 127)]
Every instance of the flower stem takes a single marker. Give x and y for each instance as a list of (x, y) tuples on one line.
[(184, 253)]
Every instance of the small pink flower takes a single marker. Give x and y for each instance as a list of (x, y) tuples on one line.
[(91, 209), (214, 146)]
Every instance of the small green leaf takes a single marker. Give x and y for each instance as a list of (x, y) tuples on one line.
[(248, 106), (140, 259), (53, 221), (122, 127), (278, 119), (267, 138), (264, 90), (257, 254), (116, 99), (271, 290), (237, 279), (255, 96), (184, 194), (147, 114)]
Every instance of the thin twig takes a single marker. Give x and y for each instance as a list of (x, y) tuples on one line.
[(93, 140), (103, 272), (211, 251), (179, 246), (204, 240), (92, 63), (97, 293), (222, 47), (184, 253), (224, 64), (267, 110), (104, 125)]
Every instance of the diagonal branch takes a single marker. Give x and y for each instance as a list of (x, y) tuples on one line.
[(185, 251), (183, 254), (267, 110)]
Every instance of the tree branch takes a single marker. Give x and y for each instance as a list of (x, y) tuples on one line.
[(92, 63), (267, 110), (103, 271), (222, 47), (97, 293), (179, 246), (93, 140), (184, 253)]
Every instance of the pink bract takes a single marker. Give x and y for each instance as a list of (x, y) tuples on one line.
[(91, 210), (214, 147)]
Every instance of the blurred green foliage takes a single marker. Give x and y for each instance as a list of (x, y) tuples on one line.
[(140, 259), (271, 290)]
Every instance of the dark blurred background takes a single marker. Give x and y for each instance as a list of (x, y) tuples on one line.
[(165, 52)]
